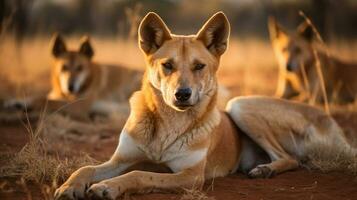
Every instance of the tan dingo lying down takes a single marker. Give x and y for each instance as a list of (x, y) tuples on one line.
[(295, 54), (174, 121), (80, 86)]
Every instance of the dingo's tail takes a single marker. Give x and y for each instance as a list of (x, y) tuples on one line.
[(332, 153)]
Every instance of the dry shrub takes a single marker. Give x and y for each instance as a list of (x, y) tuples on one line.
[(45, 161), (320, 45), (331, 157), (195, 194), (34, 163)]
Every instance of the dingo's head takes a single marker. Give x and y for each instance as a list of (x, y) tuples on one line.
[(72, 68), (182, 67), (292, 50)]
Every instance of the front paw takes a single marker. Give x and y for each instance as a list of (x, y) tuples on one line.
[(71, 191), (103, 190), (261, 171)]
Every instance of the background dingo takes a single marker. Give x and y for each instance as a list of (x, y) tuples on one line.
[(91, 88), (300, 60)]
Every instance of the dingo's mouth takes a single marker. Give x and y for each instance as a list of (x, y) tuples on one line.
[(182, 105)]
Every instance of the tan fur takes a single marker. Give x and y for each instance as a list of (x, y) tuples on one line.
[(299, 52), (191, 137), (284, 130)]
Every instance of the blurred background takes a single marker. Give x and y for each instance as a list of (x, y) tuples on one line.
[(249, 66)]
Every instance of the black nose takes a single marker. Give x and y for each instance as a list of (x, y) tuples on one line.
[(71, 87), (183, 94), (289, 67)]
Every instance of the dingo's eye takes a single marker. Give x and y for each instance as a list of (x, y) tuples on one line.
[(167, 66), (199, 66), (79, 68), (65, 68)]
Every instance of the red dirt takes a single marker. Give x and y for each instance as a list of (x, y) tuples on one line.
[(299, 184)]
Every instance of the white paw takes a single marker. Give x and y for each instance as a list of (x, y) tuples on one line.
[(70, 192), (261, 171), (102, 191)]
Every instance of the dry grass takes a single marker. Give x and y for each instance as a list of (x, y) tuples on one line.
[(328, 158), (34, 163), (194, 194), (336, 152), (47, 162)]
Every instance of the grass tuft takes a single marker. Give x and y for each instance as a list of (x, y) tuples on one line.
[(195, 194), (327, 158), (34, 163)]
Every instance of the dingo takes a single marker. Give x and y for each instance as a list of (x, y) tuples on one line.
[(174, 121), (92, 87), (298, 76)]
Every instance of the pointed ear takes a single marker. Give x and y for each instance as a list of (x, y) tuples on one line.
[(86, 47), (215, 34), (306, 31), (58, 45), (275, 30), (153, 32)]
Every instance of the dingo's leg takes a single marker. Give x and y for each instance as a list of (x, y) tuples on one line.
[(277, 166), (126, 154), (140, 181), (270, 131)]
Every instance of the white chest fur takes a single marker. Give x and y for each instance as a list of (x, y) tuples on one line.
[(171, 141)]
